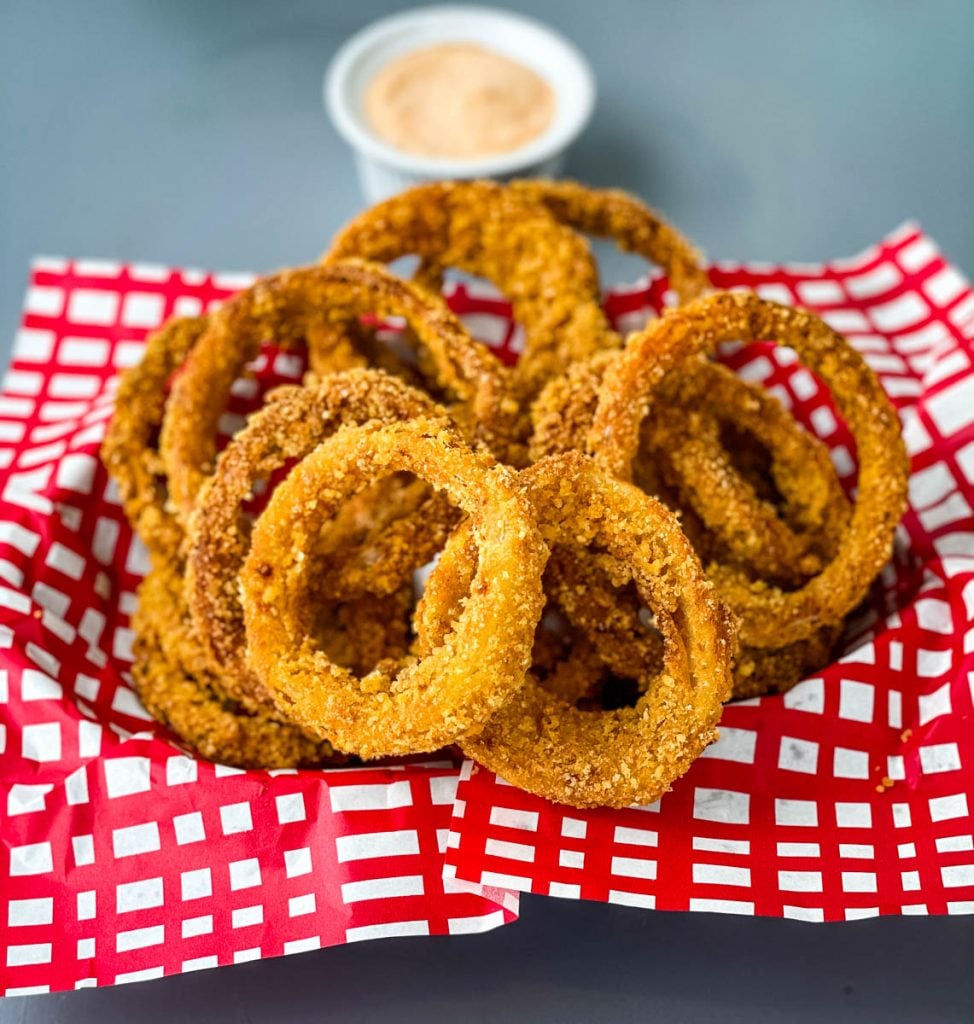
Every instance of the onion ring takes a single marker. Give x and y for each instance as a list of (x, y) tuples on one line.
[(770, 616), (682, 434), (682, 460), (543, 268), (284, 307), (289, 427), (635, 227), (629, 755), (183, 695), (412, 705), (128, 452)]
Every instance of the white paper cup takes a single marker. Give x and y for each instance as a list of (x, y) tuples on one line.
[(384, 170)]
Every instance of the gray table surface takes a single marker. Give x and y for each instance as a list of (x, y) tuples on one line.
[(192, 132)]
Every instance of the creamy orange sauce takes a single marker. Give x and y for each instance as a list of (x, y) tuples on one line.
[(457, 101)]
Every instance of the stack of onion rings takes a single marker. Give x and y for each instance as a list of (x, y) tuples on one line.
[(770, 615), (621, 531)]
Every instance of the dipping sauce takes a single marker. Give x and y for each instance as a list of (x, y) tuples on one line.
[(458, 101)]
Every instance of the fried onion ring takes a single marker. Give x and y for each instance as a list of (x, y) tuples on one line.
[(612, 213), (178, 691), (128, 450), (628, 755), (543, 268), (415, 704), (284, 307), (771, 617), (289, 427)]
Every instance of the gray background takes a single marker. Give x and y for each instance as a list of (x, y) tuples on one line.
[(192, 132)]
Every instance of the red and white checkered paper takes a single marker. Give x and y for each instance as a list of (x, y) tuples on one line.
[(122, 858), (850, 796)]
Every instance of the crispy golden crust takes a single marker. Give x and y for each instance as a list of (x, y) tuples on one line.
[(612, 213), (378, 628), (562, 414), (591, 639), (176, 688), (628, 755), (403, 524), (728, 509), (350, 345), (285, 307), (543, 268), (607, 614), (376, 555), (787, 541), (770, 616), (128, 450), (414, 704), (593, 677), (611, 620)]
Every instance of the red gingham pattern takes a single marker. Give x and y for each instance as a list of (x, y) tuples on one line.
[(120, 857), (850, 796)]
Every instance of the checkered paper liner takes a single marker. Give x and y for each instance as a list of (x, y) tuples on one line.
[(851, 795), (123, 858)]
